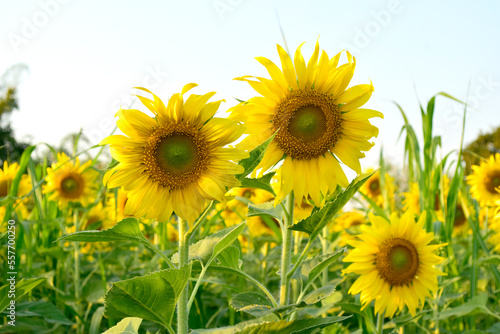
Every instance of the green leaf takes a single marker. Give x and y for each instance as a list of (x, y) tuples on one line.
[(22, 287), (44, 309), (319, 294), (317, 221), (267, 208), (126, 326), (95, 322), (476, 305), (230, 257), (127, 229), (252, 303), (207, 249), (303, 326), (263, 183), (254, 159), (152, 297)]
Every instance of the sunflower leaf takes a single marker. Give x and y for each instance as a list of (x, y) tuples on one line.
[(254, 159), (263, 183), (207, 249), (302, 326), (230, 257), (127, 229), (313, 224), (127, 325), (22, 287), (267, 208), (138, 297), (252, 303)]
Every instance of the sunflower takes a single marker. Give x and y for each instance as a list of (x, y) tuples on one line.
[(175, 161), (396, 264), (485, 181), (116, 203), (372, 188), (315, 121), (348, 223), (98, 218), (7, 175), (69, 181)]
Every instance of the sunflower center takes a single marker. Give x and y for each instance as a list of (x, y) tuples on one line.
[(397, 261), (247, 193), (375, 187), (494, 183), (71, 186), (4, 188), (176, 155), (307, 124)]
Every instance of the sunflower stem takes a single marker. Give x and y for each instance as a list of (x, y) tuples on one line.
[(182, 304), (286, 251), (380, 323)]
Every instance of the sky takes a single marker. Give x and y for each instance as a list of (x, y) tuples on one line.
[(85, 57)]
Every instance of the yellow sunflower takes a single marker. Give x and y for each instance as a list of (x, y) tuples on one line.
[(372, 188), (69, 181), (175, 161), (7, 175), (98, 214), (349, 224), (485, 181), (396, 264), (316, 120), (117, 205)]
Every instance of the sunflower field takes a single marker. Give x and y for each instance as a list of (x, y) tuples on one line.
[(185, 222)]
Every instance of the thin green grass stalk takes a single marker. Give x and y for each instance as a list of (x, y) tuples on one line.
[(182, 304), (76, 276), (286, 250)]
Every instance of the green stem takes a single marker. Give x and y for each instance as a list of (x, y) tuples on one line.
[(324, 250), (199, 221), (182, 304), (380, 323), (76, 274), (301, 258), (286, 251)]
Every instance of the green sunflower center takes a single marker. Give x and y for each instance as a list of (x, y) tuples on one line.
[(177, 154), (374, 187), (493, 182), (397, 261), (4, 188), (307, 124), (71, 186)]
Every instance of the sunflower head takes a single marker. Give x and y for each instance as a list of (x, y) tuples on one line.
[(395, 262), (316, 121), (485, 181), (69, 181), (176, 160)]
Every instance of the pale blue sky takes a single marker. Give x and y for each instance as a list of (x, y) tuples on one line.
[(85, 56)]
